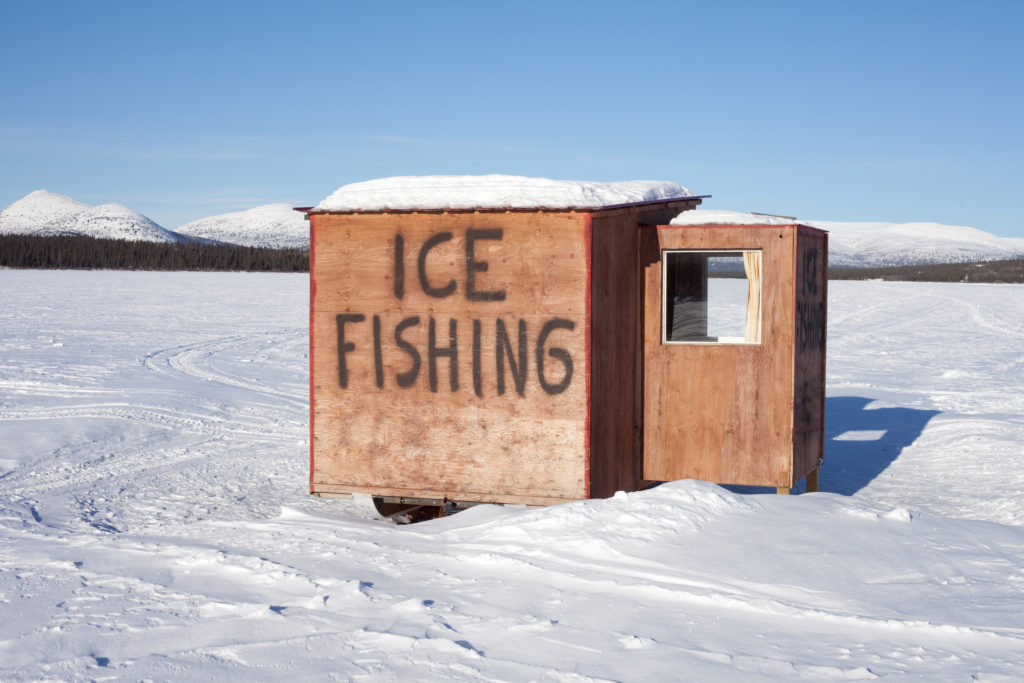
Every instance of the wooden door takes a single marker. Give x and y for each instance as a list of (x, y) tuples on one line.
[(716, 406)]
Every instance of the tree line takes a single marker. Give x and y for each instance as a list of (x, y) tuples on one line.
[(1008, 271), (88, 253)]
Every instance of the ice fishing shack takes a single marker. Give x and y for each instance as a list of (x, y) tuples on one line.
[(523, 340)]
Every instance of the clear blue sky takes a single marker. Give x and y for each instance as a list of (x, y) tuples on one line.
[(894, 111)]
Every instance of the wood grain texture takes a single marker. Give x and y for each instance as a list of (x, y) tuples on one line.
[(809, 359), (458, 438), (721, 412), (386, 288), (613, 355)]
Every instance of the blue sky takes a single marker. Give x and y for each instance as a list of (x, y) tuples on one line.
[(893, 111)]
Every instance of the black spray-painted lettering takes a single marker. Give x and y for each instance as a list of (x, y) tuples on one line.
[(399, 279), (451, 352), (511, 356), (811, 271), (408, 378), (378, 356), (473, 266), (345, 346), (503, 349), (556, 353), (478, 380), (421, 264), (810, 309)]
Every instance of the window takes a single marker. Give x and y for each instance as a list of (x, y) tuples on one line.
[(711, 297)]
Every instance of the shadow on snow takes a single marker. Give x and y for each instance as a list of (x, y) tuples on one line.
[(860, 443)]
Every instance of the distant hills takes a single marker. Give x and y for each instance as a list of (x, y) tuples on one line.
[(277, 226), (46, 214), (874, 245)]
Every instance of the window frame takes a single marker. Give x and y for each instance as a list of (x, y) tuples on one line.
[(729, 252)]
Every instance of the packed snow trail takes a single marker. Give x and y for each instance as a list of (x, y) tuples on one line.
[(155, 520)]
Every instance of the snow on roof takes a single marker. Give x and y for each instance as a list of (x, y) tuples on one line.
[(715, 217), (407, 193)]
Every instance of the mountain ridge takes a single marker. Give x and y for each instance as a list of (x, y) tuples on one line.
[(275, 226), (865, 244)]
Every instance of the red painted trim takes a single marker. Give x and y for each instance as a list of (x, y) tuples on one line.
[(312, 299), (588, 254)]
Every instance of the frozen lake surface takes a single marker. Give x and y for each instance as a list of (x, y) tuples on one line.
[(155, 521)]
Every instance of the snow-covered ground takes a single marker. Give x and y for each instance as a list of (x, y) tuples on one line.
[(154, 520)]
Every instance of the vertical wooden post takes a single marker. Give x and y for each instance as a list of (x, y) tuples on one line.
[(814, 480)]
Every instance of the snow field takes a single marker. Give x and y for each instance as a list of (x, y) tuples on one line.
[(155, 520)]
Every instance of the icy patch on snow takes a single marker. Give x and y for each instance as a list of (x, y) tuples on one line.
[(405, 193)]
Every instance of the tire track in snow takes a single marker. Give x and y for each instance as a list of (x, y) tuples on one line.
[(164, 418), (197, 361)]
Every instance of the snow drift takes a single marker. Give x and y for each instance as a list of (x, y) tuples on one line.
[(155, 521)]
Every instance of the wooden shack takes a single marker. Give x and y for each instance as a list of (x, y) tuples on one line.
[(518, 356), (747, 406)]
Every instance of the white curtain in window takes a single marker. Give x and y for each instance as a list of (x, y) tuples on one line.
[(752, 267)]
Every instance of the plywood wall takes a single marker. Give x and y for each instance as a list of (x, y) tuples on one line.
[(721, 413), (809, 366), (415, 316), (615, 319)]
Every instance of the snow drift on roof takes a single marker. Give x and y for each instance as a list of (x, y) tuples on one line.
[(405, 193), (713, 217)]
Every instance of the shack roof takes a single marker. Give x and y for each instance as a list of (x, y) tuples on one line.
[(720, 217), (496, 193)]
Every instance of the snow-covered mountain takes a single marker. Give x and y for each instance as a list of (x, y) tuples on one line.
[(44, 213), (115, 221), (37, 212), (277, 226), (860, 244), (895, 244)]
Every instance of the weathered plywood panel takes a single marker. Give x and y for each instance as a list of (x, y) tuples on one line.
[(613, 324), (809, 361), (615, 320), (449, 355), (721, 412)]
